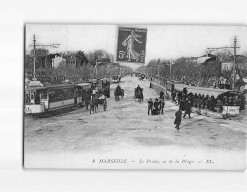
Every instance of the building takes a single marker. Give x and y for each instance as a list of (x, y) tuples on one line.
[(71, 61), (202, 59), (57, 60), (241, 63), (226, 65), (206, 58)]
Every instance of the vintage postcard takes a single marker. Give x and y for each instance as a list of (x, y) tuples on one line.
[(135, 97)]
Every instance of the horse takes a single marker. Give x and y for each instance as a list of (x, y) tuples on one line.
[(93, 105), (122, 93), (118, 93), (139, 96)]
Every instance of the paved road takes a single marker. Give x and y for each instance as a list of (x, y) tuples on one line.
[(79, 140)]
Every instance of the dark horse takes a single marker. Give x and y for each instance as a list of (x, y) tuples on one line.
[(93, 105), (139, 95)]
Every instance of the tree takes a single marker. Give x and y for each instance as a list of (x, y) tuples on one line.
[(40, 62), (81, 58), (97, 54)]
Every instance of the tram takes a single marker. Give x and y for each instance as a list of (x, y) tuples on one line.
[(55, 98), (83, 90), (227, 102), (101, 85), (40, 100)]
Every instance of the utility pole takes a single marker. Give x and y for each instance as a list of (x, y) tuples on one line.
[(34, 58), (234, 61), (170, 70), (34, 54), (158, 73), (96, 66)]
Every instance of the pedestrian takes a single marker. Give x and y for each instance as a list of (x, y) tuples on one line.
[(162, 105), (156, 107), (162, 94), (185, 91), (178, 119), (150, 106), (220, 105), (187, 108), (181, 104)]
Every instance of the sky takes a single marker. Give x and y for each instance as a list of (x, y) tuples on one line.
[(163, 41)]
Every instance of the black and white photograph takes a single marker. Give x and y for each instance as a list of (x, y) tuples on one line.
[(135, 97)]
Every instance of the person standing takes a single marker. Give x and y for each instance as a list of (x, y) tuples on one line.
[(156, 107), (162, 105), (187, 108), (162, 94), (185, 91), (178, 119), (150, 106), (181, 104)]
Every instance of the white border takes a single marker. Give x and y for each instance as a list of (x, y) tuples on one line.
[(15, 13)]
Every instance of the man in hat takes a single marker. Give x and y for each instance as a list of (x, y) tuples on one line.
[(187, 107)]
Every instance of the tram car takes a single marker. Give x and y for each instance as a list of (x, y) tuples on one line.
[(101, 85), (83, 90), (230, 100), (54, 99), (41, 100), (95, 84)]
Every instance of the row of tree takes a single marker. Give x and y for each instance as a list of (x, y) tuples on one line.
[(186, 70), (88, 72), (44, 59), (85, 70)]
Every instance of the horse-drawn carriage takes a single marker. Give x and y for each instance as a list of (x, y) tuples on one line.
[(141, 77), (118, 93), (139, 94), (96, 101)]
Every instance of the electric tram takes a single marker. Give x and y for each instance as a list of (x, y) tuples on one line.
[(56, 98), (41, 100)]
